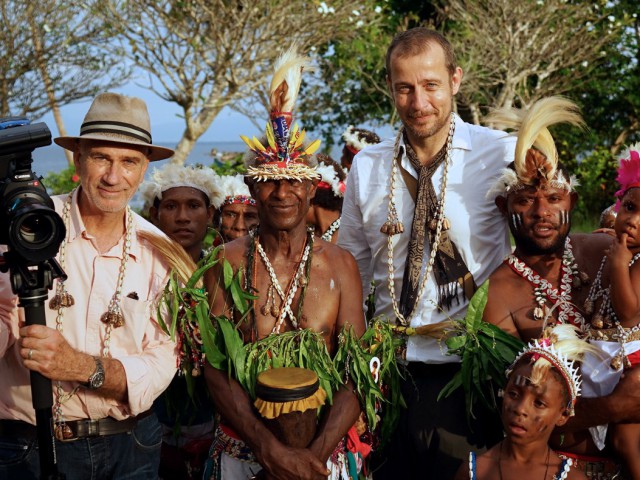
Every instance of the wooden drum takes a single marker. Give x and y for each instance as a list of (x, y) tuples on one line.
[(288, 399)]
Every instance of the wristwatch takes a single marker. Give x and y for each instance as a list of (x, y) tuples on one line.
[(96, 380)]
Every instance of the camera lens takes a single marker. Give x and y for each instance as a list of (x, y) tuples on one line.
[(35, 230)]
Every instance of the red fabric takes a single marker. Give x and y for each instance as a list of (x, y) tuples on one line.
[(634, 358), (352, 149), (354, 445)]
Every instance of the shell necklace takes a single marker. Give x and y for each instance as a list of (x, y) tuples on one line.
[(113, 317), (328, 235), (393, 225), (298, 279), (544, 291), (606, 317)]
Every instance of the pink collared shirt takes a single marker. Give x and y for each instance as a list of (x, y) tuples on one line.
[(147, 354)]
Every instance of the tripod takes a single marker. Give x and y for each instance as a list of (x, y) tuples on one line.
[(32, 285)]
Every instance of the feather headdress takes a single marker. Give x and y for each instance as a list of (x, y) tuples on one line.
[(535, 158), (235, 191), (357, 139), (628, 171), (285, 155), (172, 175), (329, 178), (559, 347)]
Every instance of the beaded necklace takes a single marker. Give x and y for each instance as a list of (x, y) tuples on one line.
[(328, 235), (113, 317), (606, 316), (544, 291), (393, 225), (298, 279)]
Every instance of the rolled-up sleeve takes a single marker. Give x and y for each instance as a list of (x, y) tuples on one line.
[(352, 236)]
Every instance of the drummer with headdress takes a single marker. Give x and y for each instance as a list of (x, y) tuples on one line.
[(301, 288)]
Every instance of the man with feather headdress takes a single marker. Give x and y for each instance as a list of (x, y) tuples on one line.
[(547, 279), (299, 283)]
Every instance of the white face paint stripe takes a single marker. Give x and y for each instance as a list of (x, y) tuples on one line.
[(516, 220)]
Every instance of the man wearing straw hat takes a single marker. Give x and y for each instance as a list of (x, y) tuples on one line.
[(102, 348)]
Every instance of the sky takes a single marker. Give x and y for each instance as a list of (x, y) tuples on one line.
[(166, 125)]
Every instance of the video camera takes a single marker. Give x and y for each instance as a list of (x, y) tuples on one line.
[(29, 225)]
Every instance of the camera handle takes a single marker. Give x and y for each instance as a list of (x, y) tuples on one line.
[(32, 285)]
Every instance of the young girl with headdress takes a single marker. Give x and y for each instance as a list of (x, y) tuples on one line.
[(615, 325), (542, 386)]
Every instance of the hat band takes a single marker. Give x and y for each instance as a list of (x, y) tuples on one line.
[(121, 128)]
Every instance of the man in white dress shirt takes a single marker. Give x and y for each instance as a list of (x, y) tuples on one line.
[(427, 191)]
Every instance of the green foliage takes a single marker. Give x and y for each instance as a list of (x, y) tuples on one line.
[(61, 182), (486, 351), (596, 174), (229, 166)]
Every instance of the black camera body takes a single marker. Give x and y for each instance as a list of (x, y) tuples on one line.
[(29, 225)]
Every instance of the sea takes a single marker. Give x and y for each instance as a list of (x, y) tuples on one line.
[(52, 158)]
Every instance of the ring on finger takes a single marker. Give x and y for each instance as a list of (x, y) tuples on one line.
[(30, 354)]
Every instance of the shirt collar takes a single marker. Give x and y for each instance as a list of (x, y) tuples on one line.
[(77, 227), (461, 140)]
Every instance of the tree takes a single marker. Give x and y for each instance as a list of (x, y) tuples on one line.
[(50, 56), (512, 53), (515, 53), (204, 55)]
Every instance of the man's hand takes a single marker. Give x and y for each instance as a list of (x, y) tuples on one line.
[(283, 463), (46, 351)]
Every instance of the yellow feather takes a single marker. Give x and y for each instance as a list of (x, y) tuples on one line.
[(271, 137), (258, 145), (313, 146), (300, 139), (248, 141)]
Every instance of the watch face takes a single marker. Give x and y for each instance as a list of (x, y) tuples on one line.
[(97, 380)]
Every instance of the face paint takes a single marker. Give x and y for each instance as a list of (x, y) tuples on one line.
[(563, 217), (522, 381), (516, 221)]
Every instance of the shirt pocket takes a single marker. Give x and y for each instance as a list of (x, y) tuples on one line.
[(128, 339)]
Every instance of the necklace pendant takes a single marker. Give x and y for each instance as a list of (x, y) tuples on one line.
[(588, 306), (576, 281), (392, 227), (584, 278), (302, 281), (616, 363), (275, 311), (62, 431), (61, 300), (264, 310), (446, 225), (597, 321), (115, 319)]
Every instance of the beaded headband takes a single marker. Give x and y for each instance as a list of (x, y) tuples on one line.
[(234, 191), (561, 348), (535, 157), (628, 172), (285, 156)]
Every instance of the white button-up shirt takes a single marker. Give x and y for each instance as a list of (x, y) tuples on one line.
[(477, 227)]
